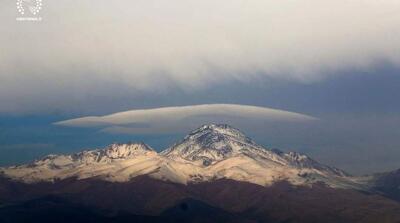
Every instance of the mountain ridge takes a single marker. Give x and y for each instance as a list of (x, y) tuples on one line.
[(240, 182), (146, 196), (210, 152)]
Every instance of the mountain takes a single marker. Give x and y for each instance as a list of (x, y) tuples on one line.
[(228, 153), (145, 199), (214, 174), (49, 209), (214, 143), (92, 163), (208, 153), (386, 183)]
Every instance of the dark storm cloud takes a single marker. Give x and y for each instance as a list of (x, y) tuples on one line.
[(84, 50)]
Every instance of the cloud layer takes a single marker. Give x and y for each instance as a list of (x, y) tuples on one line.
[(84, 48), (175, 119)]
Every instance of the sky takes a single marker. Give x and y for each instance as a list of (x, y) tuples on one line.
[(335, 62)]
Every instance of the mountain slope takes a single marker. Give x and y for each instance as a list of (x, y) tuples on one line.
[(92, 163), (219, 199), (387, 184), (208, 153), (225, 152), (50, 208), (215, 174), (212, 143)]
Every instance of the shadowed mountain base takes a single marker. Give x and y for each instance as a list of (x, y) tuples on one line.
[(144, 199)]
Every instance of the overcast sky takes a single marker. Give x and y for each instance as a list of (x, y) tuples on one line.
[(336, 61)]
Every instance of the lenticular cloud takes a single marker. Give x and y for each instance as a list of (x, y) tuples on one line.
[(174, 118)]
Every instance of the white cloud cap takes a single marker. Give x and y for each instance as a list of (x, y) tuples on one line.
[(176, 118)]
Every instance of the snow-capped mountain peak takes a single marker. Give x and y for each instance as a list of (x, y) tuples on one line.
[(211, 143), (221, 129), (214, 143), (114, 151), (88, 163), (210, 152)]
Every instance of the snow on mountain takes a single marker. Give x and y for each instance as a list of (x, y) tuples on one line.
[(81, 165), (212, 143), (207, 153), (114, 151), (225, 152)]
